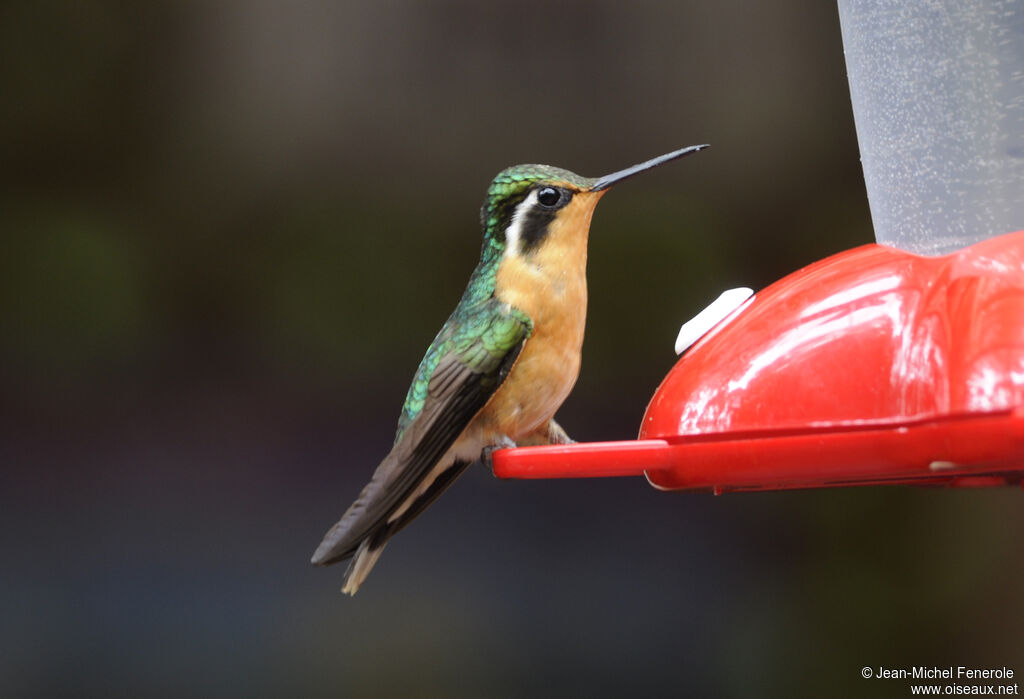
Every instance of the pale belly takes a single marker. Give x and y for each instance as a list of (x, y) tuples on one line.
[(539, 383)]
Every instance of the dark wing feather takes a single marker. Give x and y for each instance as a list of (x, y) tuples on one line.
[(461, 384)]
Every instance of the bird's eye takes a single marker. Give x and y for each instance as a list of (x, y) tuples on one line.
[(548, 196)]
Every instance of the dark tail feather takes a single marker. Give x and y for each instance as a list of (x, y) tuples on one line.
[(363, 517), (328, 551), (362, 535)]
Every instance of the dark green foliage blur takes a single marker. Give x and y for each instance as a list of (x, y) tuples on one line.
[(228, 231)]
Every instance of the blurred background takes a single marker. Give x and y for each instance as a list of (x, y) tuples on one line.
[(230, 230)]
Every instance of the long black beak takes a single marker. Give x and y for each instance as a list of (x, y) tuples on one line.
[(608, 180)]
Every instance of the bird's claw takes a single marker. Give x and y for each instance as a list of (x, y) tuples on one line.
[(486, 455)]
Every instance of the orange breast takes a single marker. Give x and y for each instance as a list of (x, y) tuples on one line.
[(550, 286)]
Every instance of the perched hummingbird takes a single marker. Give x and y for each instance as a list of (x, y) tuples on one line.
[(501, 365)]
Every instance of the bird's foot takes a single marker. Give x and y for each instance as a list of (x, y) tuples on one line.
[(558, 435), (488, 451)]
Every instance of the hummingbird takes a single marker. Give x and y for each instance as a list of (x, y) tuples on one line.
[(501, 365)]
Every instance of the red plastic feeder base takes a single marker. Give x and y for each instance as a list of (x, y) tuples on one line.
[(872, 366)]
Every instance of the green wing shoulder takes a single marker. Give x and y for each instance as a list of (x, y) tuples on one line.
[(481, 336)]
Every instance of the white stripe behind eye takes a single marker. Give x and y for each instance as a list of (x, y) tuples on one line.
[(515, 229)]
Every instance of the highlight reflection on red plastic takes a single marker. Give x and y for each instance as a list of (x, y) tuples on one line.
[(871, 366)]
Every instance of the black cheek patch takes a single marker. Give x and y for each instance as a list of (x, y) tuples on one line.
[(535, 228)]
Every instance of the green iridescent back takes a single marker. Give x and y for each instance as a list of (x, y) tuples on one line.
[(473, 319)]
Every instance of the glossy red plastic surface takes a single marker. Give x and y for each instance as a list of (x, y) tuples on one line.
[(874, 365)]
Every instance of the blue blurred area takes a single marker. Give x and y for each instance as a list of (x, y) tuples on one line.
[(230, 231)]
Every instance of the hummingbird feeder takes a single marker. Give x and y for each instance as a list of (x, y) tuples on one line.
[(897, 362)]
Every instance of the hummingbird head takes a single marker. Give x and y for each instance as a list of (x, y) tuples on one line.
[(524, 202)]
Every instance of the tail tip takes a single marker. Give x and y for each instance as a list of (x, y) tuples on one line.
[(320, 556), (366, 556)]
